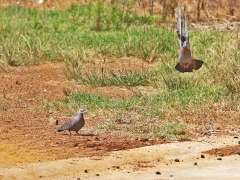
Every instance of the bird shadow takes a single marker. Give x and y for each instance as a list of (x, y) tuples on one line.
[(87, 134)]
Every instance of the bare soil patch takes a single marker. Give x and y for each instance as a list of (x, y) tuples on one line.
[(27, 136), (225, 151)]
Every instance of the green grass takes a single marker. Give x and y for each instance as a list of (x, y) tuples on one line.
[(176, 99), (109, 78), (30, 36), (163, 130), (148, 112)]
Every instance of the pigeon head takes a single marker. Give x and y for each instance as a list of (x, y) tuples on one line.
[(185, 44), (81, 111)]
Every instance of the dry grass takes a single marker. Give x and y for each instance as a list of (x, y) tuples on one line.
[(197, 10)]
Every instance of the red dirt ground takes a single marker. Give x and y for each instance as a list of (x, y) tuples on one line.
[(27, 136), (226, 151)]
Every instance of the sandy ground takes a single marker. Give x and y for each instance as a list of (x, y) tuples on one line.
[(140, 163)]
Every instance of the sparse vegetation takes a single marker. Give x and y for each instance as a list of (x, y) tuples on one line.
[(82, 33)]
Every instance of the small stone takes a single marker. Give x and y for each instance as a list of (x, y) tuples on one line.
[(158, 173), (97, 174), (78, 178), (202, 156), (235, 137), (211, 131), (195, 163), (238, 142), (18, 83), (221, 154), (116, 167), (52, 121), (219, 158), (176, 160), (171, 175), (238, 153), (86, 171), (116, 149)]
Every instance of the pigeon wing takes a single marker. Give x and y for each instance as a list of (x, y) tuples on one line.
[(68, 124), (179, 26), (197, 64), (186, 28)]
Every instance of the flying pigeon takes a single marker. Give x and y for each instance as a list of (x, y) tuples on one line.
[(74, 123), (186, 62)]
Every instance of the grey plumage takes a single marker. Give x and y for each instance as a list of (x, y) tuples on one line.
[(186, 62), (74, 123)]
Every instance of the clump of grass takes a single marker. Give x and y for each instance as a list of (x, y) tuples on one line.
[(151, 106), (4, 107), (116, 79), (163, 130), (107, 127)]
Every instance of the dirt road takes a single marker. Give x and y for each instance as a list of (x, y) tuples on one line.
[(141, 163)]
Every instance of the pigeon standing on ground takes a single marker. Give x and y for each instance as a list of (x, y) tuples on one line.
[(186, 62), (74, 123)]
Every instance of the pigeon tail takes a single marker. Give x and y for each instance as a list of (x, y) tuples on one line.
[(196, 64), (180, 68)]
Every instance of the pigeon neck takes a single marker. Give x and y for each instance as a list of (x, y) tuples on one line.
[(185, 50)]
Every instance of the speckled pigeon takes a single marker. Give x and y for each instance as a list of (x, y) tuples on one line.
[(74, 123), (186, 62)]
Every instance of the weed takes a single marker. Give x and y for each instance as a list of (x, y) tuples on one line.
[(4, 107), (162, 130)]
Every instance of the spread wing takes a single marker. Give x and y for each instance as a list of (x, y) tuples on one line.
[(186, 28), (179, 26)]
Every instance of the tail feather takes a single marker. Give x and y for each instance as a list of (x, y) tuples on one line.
[(196, 64), (180, 68), (62, 128)]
